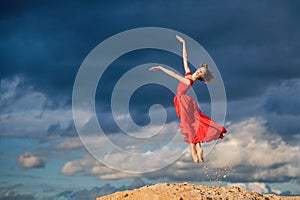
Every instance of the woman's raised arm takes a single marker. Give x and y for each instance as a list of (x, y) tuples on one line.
[(184, 54), (171, 73)]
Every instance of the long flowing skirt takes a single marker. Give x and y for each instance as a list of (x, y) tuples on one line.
[(195, 125)]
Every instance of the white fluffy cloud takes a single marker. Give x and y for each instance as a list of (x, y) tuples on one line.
[(69, 143), (90, 166), (258, 187), (72, 167), (266, 155), (253, 154), (250, 143), (29, 160)]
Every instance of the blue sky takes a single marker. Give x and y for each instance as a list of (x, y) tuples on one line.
[(255, 45)]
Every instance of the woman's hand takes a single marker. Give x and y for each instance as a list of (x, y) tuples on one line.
[(155, 68), (180, 39)]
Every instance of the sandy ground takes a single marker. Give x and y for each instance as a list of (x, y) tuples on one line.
[(186, 191)]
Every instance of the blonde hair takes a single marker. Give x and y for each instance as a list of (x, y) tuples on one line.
[(208, 76)]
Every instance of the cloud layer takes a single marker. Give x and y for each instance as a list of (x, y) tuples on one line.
[(29, 160), (247, 148), (254, 44)]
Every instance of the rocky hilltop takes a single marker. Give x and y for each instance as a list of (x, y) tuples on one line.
[(186, 191)]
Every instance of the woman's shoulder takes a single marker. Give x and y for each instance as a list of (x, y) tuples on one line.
[(188, 75)]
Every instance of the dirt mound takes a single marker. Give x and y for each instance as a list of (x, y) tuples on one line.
[(186, 191)]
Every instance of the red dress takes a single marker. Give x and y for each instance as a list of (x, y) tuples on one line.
[(194, 125)]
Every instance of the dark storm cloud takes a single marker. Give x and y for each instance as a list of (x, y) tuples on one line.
[(278, 107), (281, 109), (48, 42), (254, 44), (144, 97), (284, 98)]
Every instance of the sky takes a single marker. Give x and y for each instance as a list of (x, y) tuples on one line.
[(255, 46)]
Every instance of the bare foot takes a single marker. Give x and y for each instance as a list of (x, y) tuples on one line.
[(199, 152), (194, 153)]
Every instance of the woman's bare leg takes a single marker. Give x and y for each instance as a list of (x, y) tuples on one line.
[(194, 153), (199, 152)]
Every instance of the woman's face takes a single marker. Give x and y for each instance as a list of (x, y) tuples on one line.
[(200, 72)]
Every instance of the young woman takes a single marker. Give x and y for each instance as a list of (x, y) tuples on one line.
[(194, 125)]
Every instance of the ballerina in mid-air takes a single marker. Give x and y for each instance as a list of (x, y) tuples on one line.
[(196, 127)]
